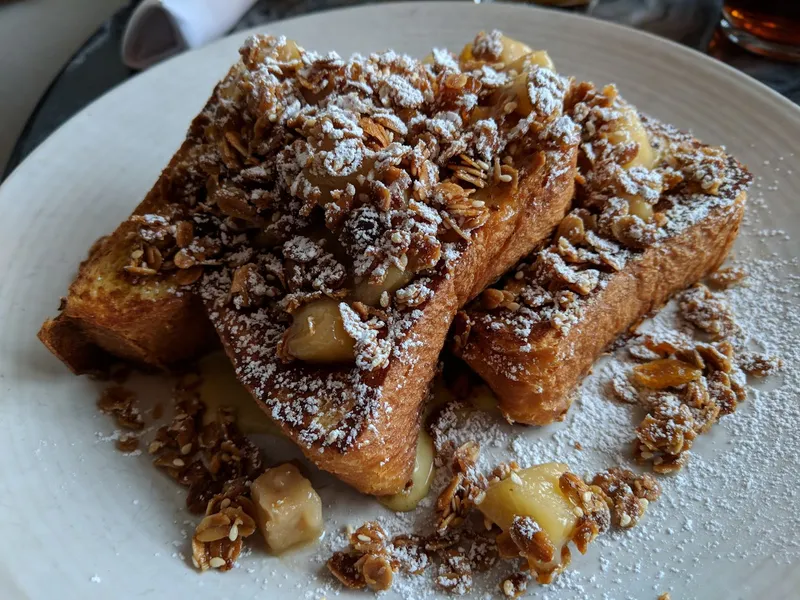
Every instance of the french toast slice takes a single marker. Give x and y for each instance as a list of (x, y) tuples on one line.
[(119, 306), (653, 215), (334, 315)]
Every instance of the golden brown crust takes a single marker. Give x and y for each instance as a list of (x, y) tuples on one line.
[(538, 391), (553, 195), (105, 315)]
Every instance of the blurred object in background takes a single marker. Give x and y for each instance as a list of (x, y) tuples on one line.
[(768, 27), (159, 29), (578, 4), (560, 2)]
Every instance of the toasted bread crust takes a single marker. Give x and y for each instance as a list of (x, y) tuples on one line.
[(536, 387), (104, 315), (380, 460)]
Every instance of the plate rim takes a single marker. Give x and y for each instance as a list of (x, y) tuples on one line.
[(756, 98)]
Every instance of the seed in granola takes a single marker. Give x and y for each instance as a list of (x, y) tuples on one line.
[(153, 257), (188, 276), (216, 562), (184, 233), (184, 260)]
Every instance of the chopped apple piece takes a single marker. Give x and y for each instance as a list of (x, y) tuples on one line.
[(288, 509), (629, 129), (317, 334), (533, 492)]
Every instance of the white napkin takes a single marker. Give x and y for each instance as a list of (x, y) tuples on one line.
[(160, 28)]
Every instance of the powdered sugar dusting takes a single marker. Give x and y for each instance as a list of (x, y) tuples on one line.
[(737, 493)]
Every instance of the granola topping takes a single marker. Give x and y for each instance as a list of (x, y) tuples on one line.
[(630, 196), (315, 180), (687, 386), (120, 403), (464, 548)]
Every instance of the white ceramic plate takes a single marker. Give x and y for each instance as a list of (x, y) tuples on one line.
[(80, 520)]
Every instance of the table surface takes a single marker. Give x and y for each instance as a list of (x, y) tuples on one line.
[(97, 67)]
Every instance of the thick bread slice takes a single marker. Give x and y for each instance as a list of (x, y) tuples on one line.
[(153, 321), (363, 427), (475, 169), (533, 352), (536, 386)]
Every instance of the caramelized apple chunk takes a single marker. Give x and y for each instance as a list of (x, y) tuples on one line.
[(288, 509), (317, 334), (372, 293), (534, 493), (541, 510), (629, 129)]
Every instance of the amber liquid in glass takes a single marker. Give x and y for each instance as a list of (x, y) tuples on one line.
[(776, 21)]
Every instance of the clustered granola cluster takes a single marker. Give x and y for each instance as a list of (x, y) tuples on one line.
[(687, 386), (623, 206), (461, 546), (208, 456), (120, 403), (373, 558)]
